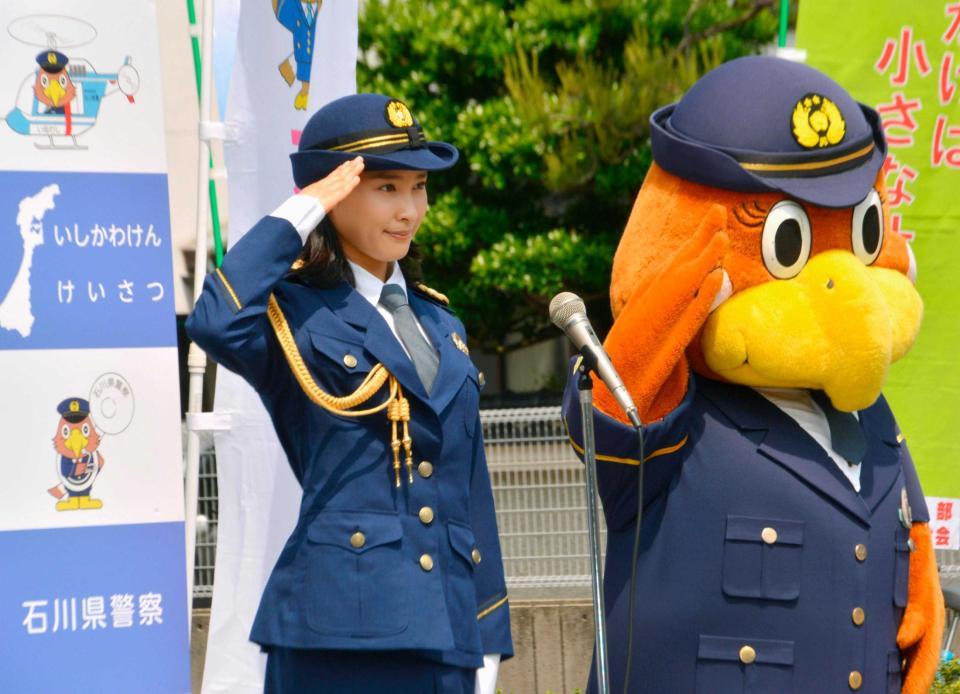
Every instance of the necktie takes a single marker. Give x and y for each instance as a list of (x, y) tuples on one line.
[(846, 436), (424, 356)]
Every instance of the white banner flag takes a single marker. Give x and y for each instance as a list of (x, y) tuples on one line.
[(291, 59), (944, 522)]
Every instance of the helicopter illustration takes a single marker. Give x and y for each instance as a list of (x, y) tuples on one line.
[(61, 99)]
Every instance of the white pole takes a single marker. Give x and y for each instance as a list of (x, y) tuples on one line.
[(196, 359)]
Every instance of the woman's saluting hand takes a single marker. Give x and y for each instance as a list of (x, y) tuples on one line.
[(336, 185)]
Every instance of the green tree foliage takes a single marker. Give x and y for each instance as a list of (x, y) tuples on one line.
[(948, 678), (548, 101)]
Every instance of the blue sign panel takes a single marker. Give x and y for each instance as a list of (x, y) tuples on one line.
[(85, 261), (91, 610)]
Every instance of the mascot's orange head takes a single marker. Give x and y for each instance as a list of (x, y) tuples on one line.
[(815, 290), (53, 86), (76, 435)]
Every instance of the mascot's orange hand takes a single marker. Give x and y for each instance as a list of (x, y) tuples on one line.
[(922, 625), (662, 317)]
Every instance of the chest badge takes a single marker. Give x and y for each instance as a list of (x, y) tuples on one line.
[(906, 513), (459, 343)]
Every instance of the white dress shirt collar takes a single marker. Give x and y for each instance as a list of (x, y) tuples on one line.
[(801, 408), (370, 286)]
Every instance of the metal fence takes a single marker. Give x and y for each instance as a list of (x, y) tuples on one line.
[(538, 488)]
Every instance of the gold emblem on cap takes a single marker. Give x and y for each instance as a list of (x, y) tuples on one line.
[(52, 58), (817, 122), (74, 406), (398, 114)]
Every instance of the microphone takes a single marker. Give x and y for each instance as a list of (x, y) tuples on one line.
[(568, 312)]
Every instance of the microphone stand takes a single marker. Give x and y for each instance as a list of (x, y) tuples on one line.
[(585, 386)]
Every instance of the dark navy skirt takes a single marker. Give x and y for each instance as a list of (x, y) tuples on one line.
[(296, 671)]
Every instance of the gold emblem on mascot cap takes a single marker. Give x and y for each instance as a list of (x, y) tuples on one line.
[(817, 122), (52, 58), (74, 406), (398, 114)]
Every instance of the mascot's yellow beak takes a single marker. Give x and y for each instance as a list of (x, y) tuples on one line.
[(76, 442), (836, 326), (55, 92)]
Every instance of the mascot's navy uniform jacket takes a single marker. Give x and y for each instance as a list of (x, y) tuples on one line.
[(370, 566), (743, 509)]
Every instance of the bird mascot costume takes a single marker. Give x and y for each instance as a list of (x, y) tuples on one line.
[(759, 299)]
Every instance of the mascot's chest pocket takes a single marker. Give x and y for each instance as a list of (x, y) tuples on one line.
[(762, 558)]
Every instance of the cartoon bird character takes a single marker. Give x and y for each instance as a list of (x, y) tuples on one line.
[(300, 18), (53, 86), (77, 441), (760, 298)]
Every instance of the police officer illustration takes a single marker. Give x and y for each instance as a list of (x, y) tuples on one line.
[(392, 579), (300, 18), (759, 300), (79, 461)]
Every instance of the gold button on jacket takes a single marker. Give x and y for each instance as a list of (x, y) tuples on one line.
[(426, 515), (855, 680), (858, 616), (747, 655), (358, 540), (769, 535), (426, 562), (860, 552), (349, 361), (425, 469), (476, 555)]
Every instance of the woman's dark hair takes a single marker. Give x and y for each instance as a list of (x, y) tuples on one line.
[(324, 265)]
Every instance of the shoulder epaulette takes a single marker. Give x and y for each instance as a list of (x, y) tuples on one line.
[(431, 293)]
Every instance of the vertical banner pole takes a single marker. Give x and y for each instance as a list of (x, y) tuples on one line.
[(196, 359)]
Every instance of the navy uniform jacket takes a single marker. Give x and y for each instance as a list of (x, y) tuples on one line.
[(752, 537), (351, 575)]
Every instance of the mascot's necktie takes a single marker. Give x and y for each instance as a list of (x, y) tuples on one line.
[(424, 356), (846, 436)]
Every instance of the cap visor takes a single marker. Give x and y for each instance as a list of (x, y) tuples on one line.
[(842, 189), (312, 165)]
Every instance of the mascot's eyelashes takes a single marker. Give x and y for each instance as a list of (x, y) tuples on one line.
[(785, 243), (750, 217), (866, 233)]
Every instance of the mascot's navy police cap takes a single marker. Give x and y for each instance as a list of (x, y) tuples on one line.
[(74, 409), (766, 124), (375, 126), (52, 61)]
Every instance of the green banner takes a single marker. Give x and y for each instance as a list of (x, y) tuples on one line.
[(904, 60)]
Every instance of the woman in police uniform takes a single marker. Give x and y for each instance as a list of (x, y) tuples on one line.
[(392, 579)]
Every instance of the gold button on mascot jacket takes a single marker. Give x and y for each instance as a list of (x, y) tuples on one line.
[(757, 277)]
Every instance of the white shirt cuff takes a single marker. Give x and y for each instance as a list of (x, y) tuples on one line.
[(304, 212), (486, 681)]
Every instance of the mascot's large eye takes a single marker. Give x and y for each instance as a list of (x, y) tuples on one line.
[(63, 81), (786, 240), (86, 430), (866, 234), (44, 81), (65, 432)]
